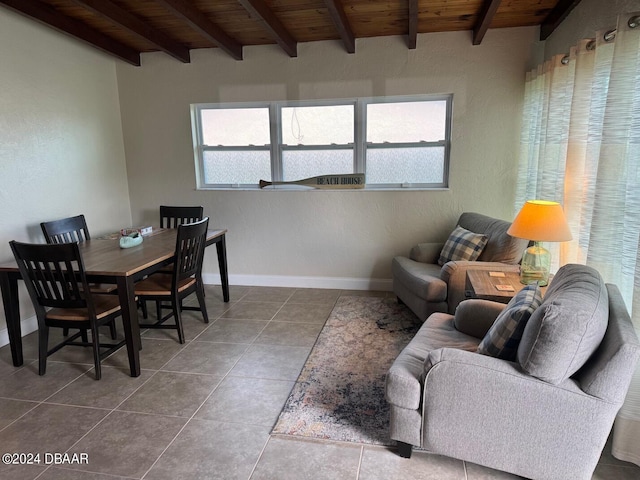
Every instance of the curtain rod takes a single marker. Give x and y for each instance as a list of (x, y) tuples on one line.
[(608, 36)]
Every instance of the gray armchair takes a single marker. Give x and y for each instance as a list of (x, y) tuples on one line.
[(426, 287), (545, 415)]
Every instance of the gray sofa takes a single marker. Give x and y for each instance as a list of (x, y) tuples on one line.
[(426, 287), (548, 413)]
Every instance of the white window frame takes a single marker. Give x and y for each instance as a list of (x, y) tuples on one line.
[(360, 145)]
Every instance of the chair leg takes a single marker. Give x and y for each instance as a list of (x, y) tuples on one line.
[(405, 449), (203, 307), (178, 317), (96, 351), (159, 309), (43, 347), (84, 336), (112, 330), (143, 306), (65, 331)]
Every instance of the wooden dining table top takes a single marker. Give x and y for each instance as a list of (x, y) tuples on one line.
[(104, 257)]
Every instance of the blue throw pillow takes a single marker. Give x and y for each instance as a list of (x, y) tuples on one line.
[(504, 336)]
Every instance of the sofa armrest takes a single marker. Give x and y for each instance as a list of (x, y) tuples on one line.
[(488, 411), (454, 274), (426, 252), (474, 317)]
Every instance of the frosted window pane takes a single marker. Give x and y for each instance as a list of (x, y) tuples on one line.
[(247, 167), (406, 122), (299, 164), (235, 126), (318, 125), (405, 165)]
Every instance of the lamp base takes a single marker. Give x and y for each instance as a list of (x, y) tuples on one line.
[(535, 266)]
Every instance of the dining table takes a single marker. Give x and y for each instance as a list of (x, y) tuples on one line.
[(105, 262)]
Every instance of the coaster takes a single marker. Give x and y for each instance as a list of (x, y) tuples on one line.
[(505, 288)]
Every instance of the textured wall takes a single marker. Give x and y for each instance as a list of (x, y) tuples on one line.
[(61, 147), (329, 237)]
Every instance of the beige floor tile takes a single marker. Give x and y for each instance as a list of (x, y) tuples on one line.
[(154, 354), (379, 463), (251, 401), (315, 295), (11, 410), (268, 294), (115, 386), (127, 444), (26, 384), (207, 358), (168, 393), (287, 333), (49, 428), (316, 313), (271, 361), (292, 459), (231, 330), (253, 310), (212, 450)]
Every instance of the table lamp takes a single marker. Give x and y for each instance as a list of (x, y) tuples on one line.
[(539, 221)]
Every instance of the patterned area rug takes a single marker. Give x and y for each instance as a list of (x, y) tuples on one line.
[(339, 394)]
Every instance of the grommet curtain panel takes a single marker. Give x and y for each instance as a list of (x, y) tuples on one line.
[(580, 146)]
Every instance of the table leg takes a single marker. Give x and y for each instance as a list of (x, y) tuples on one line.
[(221, 248), (9, 287), (130, 321)]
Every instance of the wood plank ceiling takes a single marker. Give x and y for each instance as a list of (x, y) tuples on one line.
[(127, 28)]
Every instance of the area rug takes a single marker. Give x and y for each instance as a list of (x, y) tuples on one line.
[(339, 394)]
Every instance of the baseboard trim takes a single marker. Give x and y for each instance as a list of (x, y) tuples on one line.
[(26, 326), (341, 283)]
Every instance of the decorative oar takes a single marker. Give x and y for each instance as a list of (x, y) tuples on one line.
[(350, 180)]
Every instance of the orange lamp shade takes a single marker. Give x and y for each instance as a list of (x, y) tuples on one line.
[(541, 221)]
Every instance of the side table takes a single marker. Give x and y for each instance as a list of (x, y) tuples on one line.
[(485, 285)]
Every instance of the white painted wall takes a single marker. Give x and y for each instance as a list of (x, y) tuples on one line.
[(330, 238), (61, 146), (583, 22)]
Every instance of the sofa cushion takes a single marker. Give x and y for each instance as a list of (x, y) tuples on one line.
[(503, 337), (501, 246), (568, 327), (462, 245)]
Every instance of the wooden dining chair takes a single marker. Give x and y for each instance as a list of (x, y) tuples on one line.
[(69, 230), (185, 279), (172, 216), (57, 285)]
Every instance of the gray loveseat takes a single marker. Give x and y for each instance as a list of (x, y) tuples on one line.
[(548, 413), (426, 287)]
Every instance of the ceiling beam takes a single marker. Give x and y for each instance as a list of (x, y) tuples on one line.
[(556, 17), (413, 24), (261, 12), (341, 23), (128, 21), (201, 23), (49, 16), (489, 9)]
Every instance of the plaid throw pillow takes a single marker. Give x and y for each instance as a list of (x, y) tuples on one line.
[(462, 245), (504, 336)]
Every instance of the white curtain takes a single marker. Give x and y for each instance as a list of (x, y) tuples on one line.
[(581, 146)]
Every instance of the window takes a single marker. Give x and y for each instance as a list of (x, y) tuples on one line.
[(398, 142)]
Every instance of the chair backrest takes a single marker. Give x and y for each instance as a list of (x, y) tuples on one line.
[(190, 245), (172, 217), (66, 230), (501, 247), (54, 275)]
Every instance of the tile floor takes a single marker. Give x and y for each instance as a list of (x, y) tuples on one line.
[(202, 410)]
